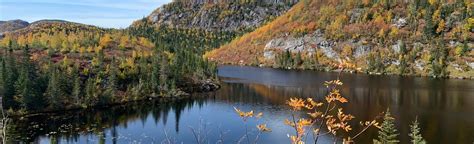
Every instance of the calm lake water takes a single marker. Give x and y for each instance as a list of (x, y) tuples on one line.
[(445, 109)]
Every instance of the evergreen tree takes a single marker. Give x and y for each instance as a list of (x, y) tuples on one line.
[(77, 89), (415, 135), (90, 92), (439, 60), (27, 85), (298, 59), (388, 132), (163, 73), (429, 28), (54, 93), (154, 79), (112, 80), (288, 59), (9, 77), (375, 63), (402, 68)]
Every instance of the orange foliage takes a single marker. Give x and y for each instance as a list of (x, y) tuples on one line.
[(302, 17)]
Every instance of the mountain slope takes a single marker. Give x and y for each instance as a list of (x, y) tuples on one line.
[(77, 42), (6, 26), (204, 25), (391, 37), (216, 16)]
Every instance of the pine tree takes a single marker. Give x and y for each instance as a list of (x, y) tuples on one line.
[(76, 89), (402, 68), (429, 24), (439, 59), (112, 80), (90, 92), (53, 92), (154, 79), (298, 59), (163, 73), (9, 77), (27, 85), (388, 132), (415, 135)]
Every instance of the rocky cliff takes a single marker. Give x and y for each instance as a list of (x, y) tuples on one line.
[(212, 15), (395, 37)]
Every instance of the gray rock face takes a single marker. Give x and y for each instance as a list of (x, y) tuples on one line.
[(308, 44), (311, 43), (470, 64), (293, 45), (453, 19), (198, 2), (218, 15), (355, 15), (397, 47), (361, 50), (400, 23)]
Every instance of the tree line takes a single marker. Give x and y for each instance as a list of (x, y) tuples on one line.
[(45, 84)]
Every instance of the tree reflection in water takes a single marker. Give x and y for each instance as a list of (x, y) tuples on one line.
[(71, 125), (444, 109)]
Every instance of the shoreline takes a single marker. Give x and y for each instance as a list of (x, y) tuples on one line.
[(328, 69), (196, 88)]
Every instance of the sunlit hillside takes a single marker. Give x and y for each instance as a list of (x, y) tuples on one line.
[(395, 37)]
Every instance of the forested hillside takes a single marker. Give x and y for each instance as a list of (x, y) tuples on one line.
[(421, 37), (204, 25), (53, 65), (6, 26)]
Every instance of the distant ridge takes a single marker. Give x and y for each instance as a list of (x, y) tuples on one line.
[(11, 25)]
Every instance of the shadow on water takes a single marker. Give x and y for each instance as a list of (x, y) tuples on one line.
[(71, 125), (444, 108)]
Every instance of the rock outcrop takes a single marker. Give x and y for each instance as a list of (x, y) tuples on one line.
[(219, 15)]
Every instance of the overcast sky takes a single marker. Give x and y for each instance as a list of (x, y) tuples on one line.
[(103, 13)]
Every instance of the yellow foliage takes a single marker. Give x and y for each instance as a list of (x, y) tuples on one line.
[(95, 61), (82, 50), (347, 51), (90, 49), (21, 40), (5, 41), (379, 19), (393, 32), (381, 33), (243, 114), (105, 40), (470, 24), (123, 41), (296, 103), (145, 42), (263, 128), (335, 28), (441, 26), (437, 15)]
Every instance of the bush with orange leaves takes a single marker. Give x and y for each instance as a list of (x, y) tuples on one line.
[(260, 127), (326, 117)]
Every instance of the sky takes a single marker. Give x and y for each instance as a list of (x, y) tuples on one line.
[(102, 13)]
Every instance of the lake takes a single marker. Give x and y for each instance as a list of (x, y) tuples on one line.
[(444, 107)]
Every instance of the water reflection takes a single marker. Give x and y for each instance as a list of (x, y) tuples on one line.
[(71, 125), (443, 107)]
